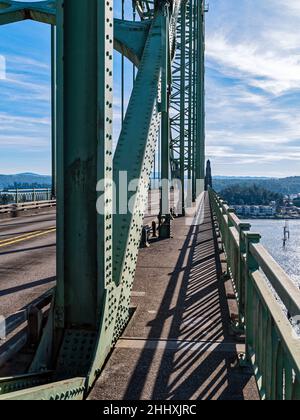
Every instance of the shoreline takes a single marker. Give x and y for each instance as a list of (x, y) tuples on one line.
[(269, 218)]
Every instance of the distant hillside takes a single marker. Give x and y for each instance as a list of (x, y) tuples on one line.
[(285, 186), (253, 195), (26, 180)]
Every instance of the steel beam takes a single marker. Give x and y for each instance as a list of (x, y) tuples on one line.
[(191, 55), (200, 146), (129, 40), (165, 228), (183, 118), (195, 116), (135, 156), (16, 11), (183, 114), (84, 134), (53, 109)]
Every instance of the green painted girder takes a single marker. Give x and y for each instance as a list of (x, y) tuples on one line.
[(69, 389), (135, 154), (165, 231), (200, 107), (182, 91), (78, 336), (15, 11), (144, 8), (129, 37), (17, 383)]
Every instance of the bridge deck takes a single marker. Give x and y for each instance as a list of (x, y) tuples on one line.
[(27, 260), (177, 344)]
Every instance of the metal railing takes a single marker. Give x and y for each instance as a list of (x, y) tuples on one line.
[(267, 300), (20, 208), (15, 196), (24, 327)]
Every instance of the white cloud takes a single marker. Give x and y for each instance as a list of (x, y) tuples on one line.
[(289, 6), (264, 69), (29, 132), (253, 87), (2, 67)]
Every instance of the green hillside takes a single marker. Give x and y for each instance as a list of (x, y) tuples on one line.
[(26, 180), (253, 195), (285, 186)]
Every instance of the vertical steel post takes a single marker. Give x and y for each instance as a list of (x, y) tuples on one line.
[(123, 72), (84, 109), (53, 109), (202, 148), (190, 97), (165, 228), (182, 104), (195, 116), (134, 19), (199, 153)]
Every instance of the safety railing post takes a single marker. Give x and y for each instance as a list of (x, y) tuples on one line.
[(241, 279), (221, 221), (230, 250), (250, 309), (227, 239)]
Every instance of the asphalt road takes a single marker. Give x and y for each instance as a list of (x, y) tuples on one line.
[(27, 260), (28, 256)]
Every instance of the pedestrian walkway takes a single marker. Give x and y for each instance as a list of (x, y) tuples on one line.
[(177, 345)]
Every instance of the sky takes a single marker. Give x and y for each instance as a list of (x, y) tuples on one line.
[(252, 90)]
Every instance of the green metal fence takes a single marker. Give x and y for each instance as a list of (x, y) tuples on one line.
[(267, 300), (20, 195)]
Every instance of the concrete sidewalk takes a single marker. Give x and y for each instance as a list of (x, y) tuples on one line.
[(177, 345)]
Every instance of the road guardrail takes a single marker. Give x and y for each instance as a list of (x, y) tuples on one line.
[(14, 210)]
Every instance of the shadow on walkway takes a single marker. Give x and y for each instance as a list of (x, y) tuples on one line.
[(201, 314), (186, 352)]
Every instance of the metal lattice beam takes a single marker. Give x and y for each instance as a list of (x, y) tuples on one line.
[(187, 100)]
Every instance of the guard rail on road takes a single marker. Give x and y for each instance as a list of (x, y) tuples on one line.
[(15, 210)]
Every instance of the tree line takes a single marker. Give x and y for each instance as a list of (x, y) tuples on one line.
[(254, 195)]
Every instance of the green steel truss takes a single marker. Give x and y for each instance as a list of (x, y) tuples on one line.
[(97, 253), (187, 101), (182, 123)]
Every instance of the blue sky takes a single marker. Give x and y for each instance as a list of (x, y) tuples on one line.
[(252, 90), (253, 87)]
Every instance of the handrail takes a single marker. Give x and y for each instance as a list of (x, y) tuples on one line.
[(14, 209), (285, 288), (272, 346), (22, 327), (26, 195)]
